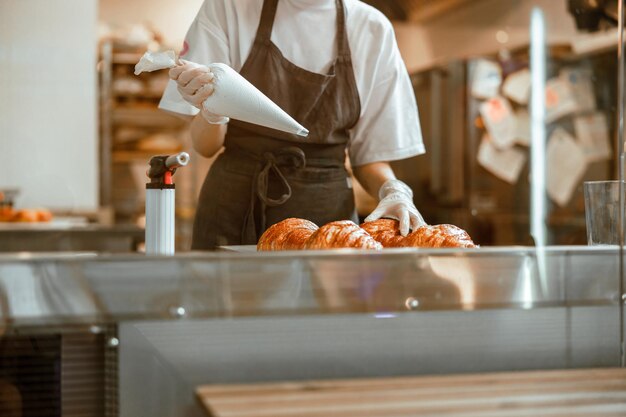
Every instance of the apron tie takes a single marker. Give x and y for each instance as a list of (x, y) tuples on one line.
[(291, 156)]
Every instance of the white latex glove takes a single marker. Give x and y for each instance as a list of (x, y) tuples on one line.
[(396, 202), (195, 84)]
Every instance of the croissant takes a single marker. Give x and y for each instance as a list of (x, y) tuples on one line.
[(6, 214), (289, 234), (26, 216), (342, 234), (296, 234), (439, 236), (387, 232)]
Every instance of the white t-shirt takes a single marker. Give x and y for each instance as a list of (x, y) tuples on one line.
[(305, 32)]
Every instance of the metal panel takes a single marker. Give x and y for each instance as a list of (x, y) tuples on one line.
[(456, 133), (174, 358), (436, 131)]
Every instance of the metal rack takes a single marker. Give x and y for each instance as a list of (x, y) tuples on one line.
[(121, 164), (133, 109)]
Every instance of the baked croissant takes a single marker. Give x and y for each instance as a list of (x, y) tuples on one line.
[(8, 214), (439, 236), (387, 232), (342, 234), (289, 234)]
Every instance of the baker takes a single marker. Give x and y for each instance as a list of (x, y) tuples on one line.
[(334, 66)]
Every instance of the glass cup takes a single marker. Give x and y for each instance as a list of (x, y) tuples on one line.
[(602, 212)]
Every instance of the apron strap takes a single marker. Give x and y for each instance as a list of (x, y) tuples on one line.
[(343, 47), (291, 156), (264, 32)]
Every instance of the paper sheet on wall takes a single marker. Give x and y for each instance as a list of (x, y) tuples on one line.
[(500, 121), (486, 79), (603, 40), (566, 164), (581, 85), (559, 99), (592, 132), (517, 86), (522, 127), (505, 164)]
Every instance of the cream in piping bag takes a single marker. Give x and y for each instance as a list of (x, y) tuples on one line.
[(234, 96)]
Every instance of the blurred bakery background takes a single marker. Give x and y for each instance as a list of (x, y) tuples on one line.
[(78, 128)]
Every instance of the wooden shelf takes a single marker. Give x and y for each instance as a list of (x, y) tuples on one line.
[(538, 393), (150, 117), (122, 165)]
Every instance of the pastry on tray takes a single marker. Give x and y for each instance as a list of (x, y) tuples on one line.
[(439, 236), (296, 234), (8, 214), (342, 234), (289, 234), (387, 232)]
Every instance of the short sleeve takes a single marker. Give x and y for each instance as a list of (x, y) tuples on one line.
[(389, 127), (205, 43)]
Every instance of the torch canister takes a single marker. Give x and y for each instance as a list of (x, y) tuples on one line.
[(160, 203)]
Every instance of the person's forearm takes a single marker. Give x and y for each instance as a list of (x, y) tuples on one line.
[(373, 176), (207, 138)]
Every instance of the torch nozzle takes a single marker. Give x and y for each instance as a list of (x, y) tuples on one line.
[(162, 167), (178, 160)]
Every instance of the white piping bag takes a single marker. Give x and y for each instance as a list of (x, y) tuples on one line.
[(234, 96)]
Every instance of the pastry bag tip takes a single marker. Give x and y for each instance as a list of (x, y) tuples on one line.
[(303, 132)]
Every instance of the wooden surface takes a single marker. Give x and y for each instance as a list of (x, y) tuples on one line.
[(589, 392)]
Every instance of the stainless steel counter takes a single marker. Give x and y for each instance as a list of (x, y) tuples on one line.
[(48, 237), (222, 317)]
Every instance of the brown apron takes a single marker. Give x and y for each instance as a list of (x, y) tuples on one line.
[(265, 175)]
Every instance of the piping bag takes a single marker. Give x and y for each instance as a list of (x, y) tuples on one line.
[(233, 96)]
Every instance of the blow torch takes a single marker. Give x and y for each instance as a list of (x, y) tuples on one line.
[(160, 203)]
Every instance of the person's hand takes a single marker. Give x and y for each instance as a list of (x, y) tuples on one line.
[(396, 202), (195, 84)]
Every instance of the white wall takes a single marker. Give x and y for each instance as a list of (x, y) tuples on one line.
[(471, 30), (48, 128)]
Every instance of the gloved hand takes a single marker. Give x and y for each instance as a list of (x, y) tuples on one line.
[(195, 84), (396, 202)]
